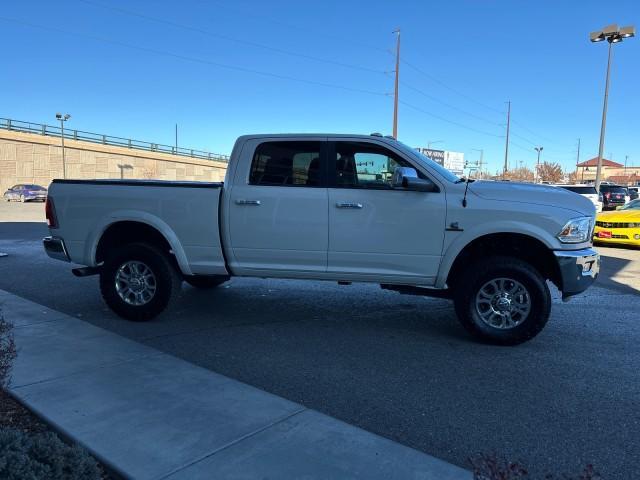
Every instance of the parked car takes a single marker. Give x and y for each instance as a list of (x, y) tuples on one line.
[(587, 191), (613, 196), (26, 193), (634, 192), (621, 226), (345, 208)]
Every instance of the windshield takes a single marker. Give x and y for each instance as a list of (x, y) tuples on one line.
[(580, 189), (607, 188), (632, 205), (424, 160)]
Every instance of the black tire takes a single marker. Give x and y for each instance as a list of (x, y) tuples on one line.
[(166, 280), (205, 281), (22, 199), (468, 287)]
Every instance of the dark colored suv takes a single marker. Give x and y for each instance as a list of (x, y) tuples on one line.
[(612, 196)]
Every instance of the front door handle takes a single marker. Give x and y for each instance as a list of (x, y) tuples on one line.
[(348, 205), (247, 202)]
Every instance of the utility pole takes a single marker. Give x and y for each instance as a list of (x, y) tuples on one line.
[(176, 138), (577, 160), (506, 146), (395, 94), (626, 157)]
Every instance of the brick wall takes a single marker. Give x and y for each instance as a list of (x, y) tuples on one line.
[(33, 158)]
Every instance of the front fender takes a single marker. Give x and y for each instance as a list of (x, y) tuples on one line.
[(461, 239)]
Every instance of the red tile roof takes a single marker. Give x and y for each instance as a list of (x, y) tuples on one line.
[(593, 162)]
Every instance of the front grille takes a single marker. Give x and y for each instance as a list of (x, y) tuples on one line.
[(617, 224), (621, 237)]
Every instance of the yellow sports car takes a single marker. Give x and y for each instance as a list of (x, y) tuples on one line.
[(619, 226)]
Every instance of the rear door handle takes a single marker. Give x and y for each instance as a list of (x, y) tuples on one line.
[(247, 202), (348, 205)]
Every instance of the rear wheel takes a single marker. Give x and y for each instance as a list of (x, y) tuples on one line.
[(137, 281), (205, 281), (502, 300)]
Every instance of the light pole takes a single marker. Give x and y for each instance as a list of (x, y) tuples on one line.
[(480, 162), (539, 150), (124, 167), (611, 34), (63, 118)]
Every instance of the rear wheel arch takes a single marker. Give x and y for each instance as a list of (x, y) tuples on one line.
[(123, 232)]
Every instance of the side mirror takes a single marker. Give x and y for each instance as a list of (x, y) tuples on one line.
[(407, 178)]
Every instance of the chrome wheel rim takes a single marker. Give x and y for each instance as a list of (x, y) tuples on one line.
[(503, 303), (135, 283)]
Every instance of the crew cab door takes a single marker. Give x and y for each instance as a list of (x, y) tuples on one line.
[(375, 231), (277, 208)]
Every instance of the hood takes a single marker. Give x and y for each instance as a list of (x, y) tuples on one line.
[(533, 193), (619, 216)]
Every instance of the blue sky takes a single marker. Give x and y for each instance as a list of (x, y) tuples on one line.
[(221, 69)]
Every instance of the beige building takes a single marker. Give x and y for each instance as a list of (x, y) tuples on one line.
[(611, 171), (37, 158)]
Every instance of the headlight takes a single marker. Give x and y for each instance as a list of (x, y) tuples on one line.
[(577, 230)]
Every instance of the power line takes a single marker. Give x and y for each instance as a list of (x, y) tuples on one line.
[(482, 104), (229, 38), (534, 133), (453, 107), (305, 29), (418, 109), (197, 60), (443, 84)]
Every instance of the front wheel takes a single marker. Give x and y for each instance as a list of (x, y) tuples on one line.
[(22, 199), (502, 300), (137, 281)]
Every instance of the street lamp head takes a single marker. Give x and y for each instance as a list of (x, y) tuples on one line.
[(612, 34), (58, 116), (627, 32), (67, 116)]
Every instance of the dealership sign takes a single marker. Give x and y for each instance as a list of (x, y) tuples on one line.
[(453, 161), (435, 155)]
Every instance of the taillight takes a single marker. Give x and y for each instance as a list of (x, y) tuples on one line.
[(50, 213), (608, 195)]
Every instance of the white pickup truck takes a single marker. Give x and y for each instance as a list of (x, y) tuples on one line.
[(345, 208)]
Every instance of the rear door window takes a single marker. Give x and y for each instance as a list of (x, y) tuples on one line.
[(288, 163)]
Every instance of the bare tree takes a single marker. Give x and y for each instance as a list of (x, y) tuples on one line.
[(520, 174), (550, 172)]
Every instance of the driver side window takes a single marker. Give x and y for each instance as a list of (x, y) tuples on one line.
[(365, 165)]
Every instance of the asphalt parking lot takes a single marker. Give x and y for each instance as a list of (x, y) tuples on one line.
[(396, 365)]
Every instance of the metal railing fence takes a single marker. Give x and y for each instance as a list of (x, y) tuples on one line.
[(71, 134)]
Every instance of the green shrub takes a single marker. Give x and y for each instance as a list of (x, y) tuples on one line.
[(43, 456), (7, 350)]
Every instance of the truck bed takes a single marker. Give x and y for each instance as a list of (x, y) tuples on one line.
[(185, 213)]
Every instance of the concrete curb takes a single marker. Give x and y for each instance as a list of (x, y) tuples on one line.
[(148, 415)]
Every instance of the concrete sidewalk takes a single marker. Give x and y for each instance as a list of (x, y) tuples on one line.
[(149, 415)]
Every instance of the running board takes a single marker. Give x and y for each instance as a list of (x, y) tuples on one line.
[(85, 271), (421, 291)]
